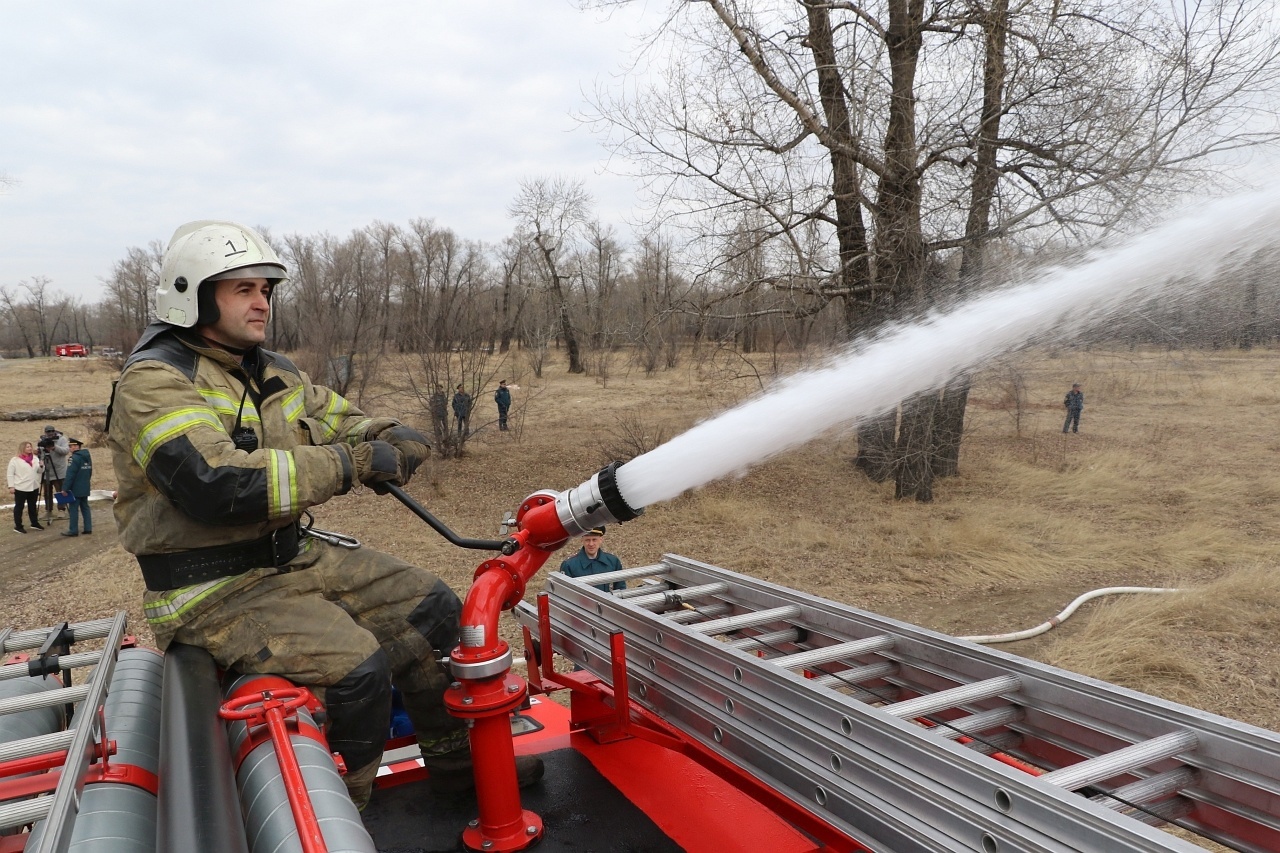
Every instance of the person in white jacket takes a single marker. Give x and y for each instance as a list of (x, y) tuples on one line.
[(24, 477)]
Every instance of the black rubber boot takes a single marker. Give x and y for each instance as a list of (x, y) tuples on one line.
[(452, 773)]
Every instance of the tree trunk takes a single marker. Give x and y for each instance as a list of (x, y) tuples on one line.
[(851, 231), (914, 471), (948, 427), (876, 447)]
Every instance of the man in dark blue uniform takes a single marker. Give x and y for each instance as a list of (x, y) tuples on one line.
[(1074, 404), (503, 398), (76, 485), (591, 560)]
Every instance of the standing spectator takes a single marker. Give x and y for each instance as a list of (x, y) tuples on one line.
[(591, 560), (1074, 404), (79, 472), (439, 412), (24, 484), (462, 410), (54, 451), (503, 398)]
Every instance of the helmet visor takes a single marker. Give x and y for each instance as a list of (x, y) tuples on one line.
[(273, 272)]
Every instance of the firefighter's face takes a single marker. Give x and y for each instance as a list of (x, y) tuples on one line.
[(243, 310)]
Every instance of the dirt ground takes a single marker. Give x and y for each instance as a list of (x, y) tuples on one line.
[(1168, 484)]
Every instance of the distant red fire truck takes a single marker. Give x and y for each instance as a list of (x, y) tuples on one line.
[(70, 350)]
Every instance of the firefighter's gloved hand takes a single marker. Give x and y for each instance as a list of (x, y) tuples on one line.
[(412, 444), (378, 463)]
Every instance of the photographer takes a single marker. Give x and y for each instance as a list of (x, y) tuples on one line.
[(54, 450)]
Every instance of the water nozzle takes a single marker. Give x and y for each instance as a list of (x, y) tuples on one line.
[(595, 502)]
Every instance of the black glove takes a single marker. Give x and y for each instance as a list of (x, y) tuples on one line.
[(412, 444), (376, 463)]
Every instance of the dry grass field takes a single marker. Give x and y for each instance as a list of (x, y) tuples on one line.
[(1171, 482)]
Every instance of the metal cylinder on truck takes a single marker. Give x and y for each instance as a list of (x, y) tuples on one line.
[(269, 821), (33, 722), (117, 814)]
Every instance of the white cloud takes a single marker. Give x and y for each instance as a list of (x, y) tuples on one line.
[(125, 119)]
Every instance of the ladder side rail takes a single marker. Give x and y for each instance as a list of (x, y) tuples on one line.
[(1230, 748), (65, 803), (690, 679)]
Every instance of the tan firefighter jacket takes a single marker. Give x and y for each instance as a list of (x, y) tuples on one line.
[(183, 483)]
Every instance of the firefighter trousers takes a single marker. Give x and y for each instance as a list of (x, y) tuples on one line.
[(347, 624)]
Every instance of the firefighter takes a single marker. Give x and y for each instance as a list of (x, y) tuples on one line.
[(219, 445)]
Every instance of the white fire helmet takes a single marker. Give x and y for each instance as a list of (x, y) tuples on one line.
[(206, 251)]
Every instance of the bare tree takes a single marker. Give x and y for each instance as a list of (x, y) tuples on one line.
[(19, 316), (868, 142), (131, 286), (551, 213)]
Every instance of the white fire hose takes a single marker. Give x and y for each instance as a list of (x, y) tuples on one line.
[(1062, 617)]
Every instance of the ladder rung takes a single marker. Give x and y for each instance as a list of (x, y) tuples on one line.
[(710, 611), (853, 676), (24, 812), (747, 620), (647, 589), (1148, 790), (980, 722), (826, 654), (47, 699), (1162, 813), (956, 696), (675, 597), (624, 575), (765, 641), (998, 742), (20, 641), (79, 659), (1124, 760), (38, 745)]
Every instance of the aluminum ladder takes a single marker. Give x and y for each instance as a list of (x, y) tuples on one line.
[(79, 740), (908, 740)]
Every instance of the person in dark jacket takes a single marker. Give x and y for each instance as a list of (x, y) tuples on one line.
[(462, 410), (76, 486), (592, 560), (503, 398), (1074, 404), (439, 406)]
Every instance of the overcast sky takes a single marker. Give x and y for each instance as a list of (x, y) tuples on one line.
[(121, 120)]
